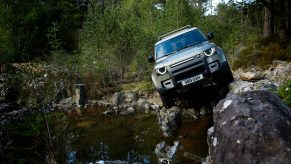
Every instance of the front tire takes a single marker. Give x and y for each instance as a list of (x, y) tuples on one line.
[(229, 76), (168, 101), (225, 77)]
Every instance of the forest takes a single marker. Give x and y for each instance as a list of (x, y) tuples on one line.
[(75, 81), (112, 38)]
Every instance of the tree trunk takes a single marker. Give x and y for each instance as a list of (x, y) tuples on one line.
[(281, 18), (268, 30)]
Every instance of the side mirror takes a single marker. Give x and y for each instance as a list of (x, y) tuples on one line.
[(151, 59), (210, 35)]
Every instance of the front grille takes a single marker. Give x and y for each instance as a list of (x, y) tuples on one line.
[(183, 68), (190, 73)]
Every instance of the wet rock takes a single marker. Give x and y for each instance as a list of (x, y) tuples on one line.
[(191, 112), (109, 112), (128, 111), (170, 120), (164, 151), (143, 104), (253, 127), (112, 162), (130, 96), (203, 112), (117, 98)]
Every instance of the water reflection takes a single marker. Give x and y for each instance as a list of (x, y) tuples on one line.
[(94, 138)]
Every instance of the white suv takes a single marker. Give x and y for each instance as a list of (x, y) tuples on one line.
[(185, 59)]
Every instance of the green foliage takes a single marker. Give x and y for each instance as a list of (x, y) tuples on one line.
[(115, 39), (27, 32), (118, 37), (285, 92), (52, 36), (32, 126), (288, 52), (6, 46)]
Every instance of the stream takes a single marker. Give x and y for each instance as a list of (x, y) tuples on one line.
[(93, 137), (88, 136)]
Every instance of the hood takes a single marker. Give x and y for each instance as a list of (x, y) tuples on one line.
[(183, 54)]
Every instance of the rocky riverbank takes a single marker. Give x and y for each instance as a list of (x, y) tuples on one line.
[(252, 124), (246, 106), (251, 127)]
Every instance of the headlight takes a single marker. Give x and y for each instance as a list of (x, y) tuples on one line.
[(210, 51), (161, 71)]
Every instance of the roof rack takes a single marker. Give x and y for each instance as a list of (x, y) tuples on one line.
[(172, 32)]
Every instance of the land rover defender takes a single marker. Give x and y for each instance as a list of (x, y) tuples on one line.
[(185, 59)]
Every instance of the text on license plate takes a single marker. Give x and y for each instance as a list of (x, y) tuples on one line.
[(192, 79)]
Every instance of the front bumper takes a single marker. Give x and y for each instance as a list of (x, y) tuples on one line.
[(210, 77)]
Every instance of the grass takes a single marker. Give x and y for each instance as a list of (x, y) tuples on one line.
[(144, 85), (285, 92), (262, 54)]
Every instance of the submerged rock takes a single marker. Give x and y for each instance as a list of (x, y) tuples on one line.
[(166, 152), (253, 127)]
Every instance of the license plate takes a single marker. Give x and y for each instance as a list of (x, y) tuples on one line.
[(192, 79)]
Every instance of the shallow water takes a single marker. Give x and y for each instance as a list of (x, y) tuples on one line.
[(88, 136), (93, 137)]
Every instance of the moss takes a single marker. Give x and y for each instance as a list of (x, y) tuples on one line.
[(285, 92)]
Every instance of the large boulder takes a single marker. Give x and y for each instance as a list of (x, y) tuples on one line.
[(253, 127), (169, 120)]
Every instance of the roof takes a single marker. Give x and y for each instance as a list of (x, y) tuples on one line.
[(174, 34)]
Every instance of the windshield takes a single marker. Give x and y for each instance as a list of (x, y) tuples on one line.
[(179, 42)]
